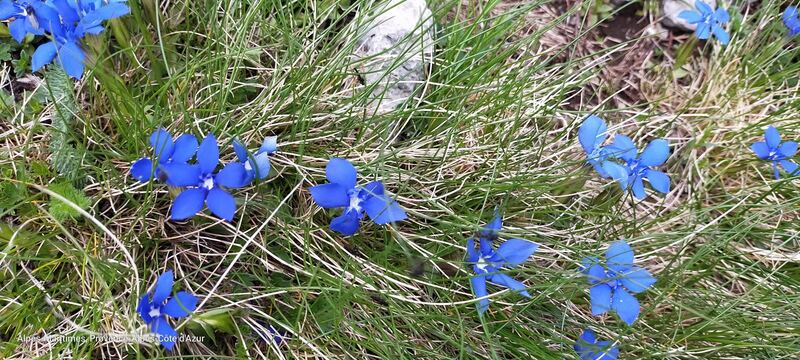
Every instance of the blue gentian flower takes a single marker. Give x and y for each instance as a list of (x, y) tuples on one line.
[(791, 20), (592, 135), (708, 21), (74, 22), (28, 15), (488, 263), (588, 348), (342, 192), (256, 165), (203, 185), (778, 153), (165, 152), (155, 307), (636, 169), (613, 283)]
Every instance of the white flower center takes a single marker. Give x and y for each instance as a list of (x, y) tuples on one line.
[(248, 166), (208, 183), (355, 202), (154, 312), (482, 263)]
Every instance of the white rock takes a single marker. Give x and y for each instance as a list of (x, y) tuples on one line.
[(672, 8), (394, 52)]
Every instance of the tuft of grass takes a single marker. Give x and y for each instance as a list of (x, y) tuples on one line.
[(494, 126)]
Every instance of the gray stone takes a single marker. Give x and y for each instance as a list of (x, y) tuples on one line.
[(394, 52), (672, 8)]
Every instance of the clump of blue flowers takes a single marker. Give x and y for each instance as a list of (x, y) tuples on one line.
[(708, 21), (588, 348), (621, 160), (777, 152), (613, 282), (488, 262), (342, 192), (65, 22), (155, 307), (791, 20), (203, 185)]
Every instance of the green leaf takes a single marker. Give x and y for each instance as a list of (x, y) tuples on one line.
[(10, 196), (63, 211), (65, 156), (5, 52), (218, 319)]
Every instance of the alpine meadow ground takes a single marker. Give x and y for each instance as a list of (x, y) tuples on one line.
[(494, 126)]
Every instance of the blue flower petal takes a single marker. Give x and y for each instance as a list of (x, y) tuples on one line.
[(165, 333), (722, 15), (161, 142), (71, 58), (514, 252), (188, 203), (208, 154), (656, 153), (330, 195), (142, 169), (163, 288), (619, 254), (43, 55), (383, 210), (623, 148), (592, 133), (595, 274), (221, 203), (269, 146), (600, 298), (761, 149), (638, 188), (67, 12), (144, 308), (721, 34), (486, 246), (9, 10), (18, 30), (703, 31), (347, 224), (635, 279), (772, 137), (658, 180), (703, 7), (692, 17), (181, 174), (787, 149), (626, 306), (479, 289), (588, 337), (232, 176), (788, 14), (185, 148), (509, 282), (617, 172), (789, 166), (495, 225), (111, 11), (374, 188), (262, 166), (342, 172), (240, 150), (180, 305)]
